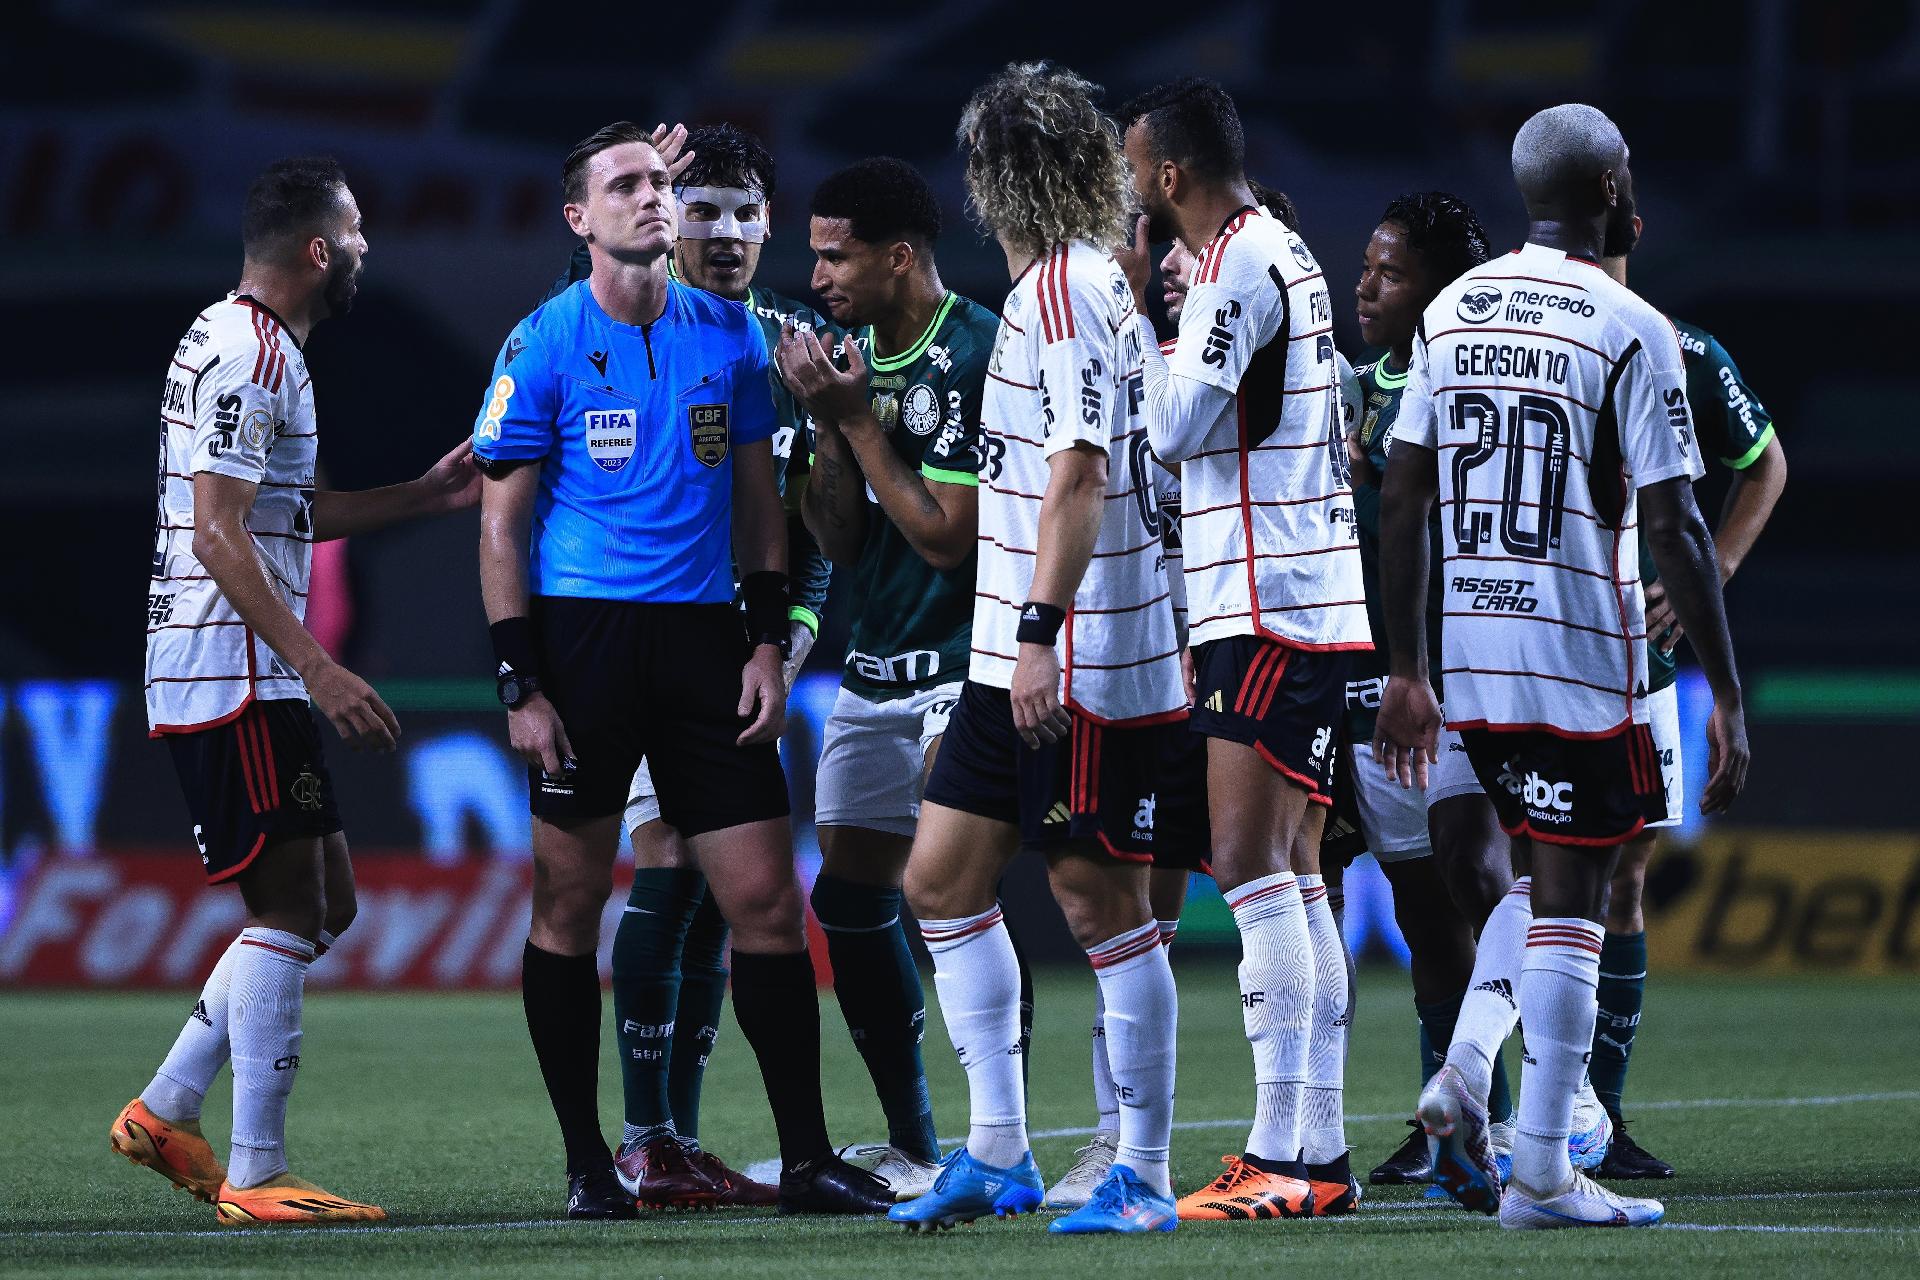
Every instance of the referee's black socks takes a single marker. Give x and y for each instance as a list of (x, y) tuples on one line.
[(778, 1008), (562, 999)]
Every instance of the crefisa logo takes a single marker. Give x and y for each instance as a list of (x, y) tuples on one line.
[(1479, 304)]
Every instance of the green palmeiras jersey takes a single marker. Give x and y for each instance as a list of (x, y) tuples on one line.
[(808, 569), (1731, 425), (1380, 389), (914, 623)]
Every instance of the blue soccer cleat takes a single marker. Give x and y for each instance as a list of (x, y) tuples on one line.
[(1121, 1205), (1592, 1132), (967, 1189), (1456, 1125)]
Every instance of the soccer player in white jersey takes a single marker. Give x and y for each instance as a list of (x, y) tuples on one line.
[(1546, 406), (230, 668), (1075, 669), (1248, 405)]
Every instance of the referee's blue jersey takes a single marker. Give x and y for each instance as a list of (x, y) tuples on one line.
[(634, 426)]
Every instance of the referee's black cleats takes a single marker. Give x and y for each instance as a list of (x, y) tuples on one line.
[(1410, 1163), (1627, 1160), (828, 1184), (598, 1196)]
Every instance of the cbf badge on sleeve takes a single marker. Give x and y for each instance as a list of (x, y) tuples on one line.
[(707, 425)]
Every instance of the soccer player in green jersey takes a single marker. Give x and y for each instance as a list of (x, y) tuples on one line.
[(671, 952), (893, 500), (1442, 852), (1734, 427)]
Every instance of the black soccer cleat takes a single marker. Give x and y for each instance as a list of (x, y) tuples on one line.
[(1410, 1163), (828, 1184), (598, 1196), (1627, 1160)]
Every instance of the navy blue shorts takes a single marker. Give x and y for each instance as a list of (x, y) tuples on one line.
[(257, 780), (1576, 791), (1285, 703), (1183, 829), (1096, 785)]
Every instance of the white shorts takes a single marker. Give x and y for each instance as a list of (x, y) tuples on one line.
[(873, 759), (1663, 717), (1393, 818)]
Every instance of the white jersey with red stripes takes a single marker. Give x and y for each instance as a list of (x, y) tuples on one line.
[(1551, 394), (1066, 371), (237, 402), (1271, 547), (1166, 494)]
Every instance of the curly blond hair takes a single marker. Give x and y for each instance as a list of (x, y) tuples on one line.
[(1043, 161)]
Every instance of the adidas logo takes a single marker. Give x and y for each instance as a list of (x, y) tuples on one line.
[(1216, 701), (200, 1012), (1500, 987), (1058, 814)]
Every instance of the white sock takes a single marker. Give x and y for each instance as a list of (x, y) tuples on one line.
[(199, 1051), (1559, 996), (263, 1018), (1143, 1013), (1337, 904), (1276, 1001), (1491, 1005), (1105, 1100), (1168, 929), (977, 979), (1323, 1129)]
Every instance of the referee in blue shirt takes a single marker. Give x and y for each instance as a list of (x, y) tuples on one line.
[(626, 443)]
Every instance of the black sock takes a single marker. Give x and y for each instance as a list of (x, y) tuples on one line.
[(703, 990), (562, 999), (779, 1012), (1026, 1011)]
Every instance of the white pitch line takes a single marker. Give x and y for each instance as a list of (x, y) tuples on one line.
[(1770, 1229)]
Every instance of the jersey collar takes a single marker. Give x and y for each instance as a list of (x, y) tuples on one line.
[(248, 299), (888, 364), (1388, 381)]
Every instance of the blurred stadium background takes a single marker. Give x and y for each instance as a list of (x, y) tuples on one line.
[(1777, 167)]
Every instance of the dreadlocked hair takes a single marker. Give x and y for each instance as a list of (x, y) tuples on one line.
[(1044, 164)]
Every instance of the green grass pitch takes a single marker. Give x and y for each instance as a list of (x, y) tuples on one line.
[(1792, 1108)]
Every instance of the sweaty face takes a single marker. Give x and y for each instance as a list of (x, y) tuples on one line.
[(1394, 288), (347, 246), (854, 278), (1153, 202), (1176, 271), (627, 209)]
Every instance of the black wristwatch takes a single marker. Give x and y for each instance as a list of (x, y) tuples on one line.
[(515, 687)]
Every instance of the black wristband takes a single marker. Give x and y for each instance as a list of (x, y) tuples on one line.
[(513, 646), (1040, 623), (765, 595)]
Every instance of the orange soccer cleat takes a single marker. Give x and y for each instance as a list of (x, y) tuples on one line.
[(175, 1150), (287, 1199), (1246, 1192)]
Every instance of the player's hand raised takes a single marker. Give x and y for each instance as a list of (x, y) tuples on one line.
[(669, 142), (1136, 261), (763, 696), (355, 710), (1406, 734), (1035, 696), (536, 734), (829, 394), (1727, 757)]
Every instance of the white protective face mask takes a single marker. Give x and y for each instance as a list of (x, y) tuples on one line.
[(729, 225)]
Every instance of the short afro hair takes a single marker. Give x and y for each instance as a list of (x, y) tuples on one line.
[(573, 171), (882, 199), (1193, 123), (1443, 230), (291, 199), (727, 156)]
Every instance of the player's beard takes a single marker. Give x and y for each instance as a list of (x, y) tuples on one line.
[(1620, 236), (343, 279), (1161, 228)]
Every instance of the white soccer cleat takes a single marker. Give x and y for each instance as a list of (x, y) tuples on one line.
[(1456, 1125), (905, 1176), (1091, 1164), (1585, 1203)]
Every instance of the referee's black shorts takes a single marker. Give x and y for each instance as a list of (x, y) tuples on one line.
[(659, 682)]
